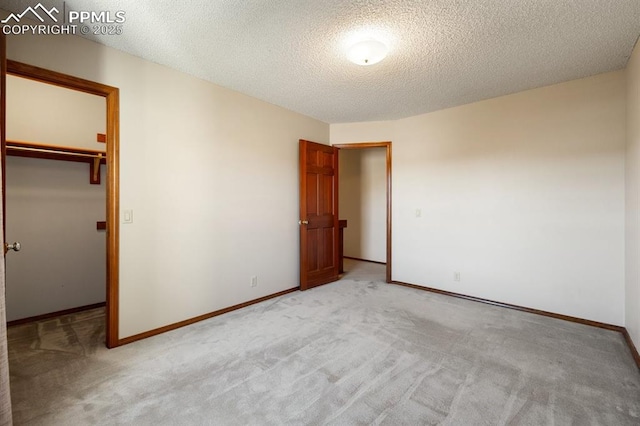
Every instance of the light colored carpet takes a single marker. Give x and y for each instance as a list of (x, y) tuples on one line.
[(354, 352)]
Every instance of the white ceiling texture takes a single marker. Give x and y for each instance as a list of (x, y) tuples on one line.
[(442, 53)]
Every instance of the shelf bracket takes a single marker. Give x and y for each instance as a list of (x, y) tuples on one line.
[(94, 170)]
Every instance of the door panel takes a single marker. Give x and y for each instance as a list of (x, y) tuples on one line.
[(5, 396), (3, 130), (318, 214), (312, 193)]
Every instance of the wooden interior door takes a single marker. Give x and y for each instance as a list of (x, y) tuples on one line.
[(319, 263), (5, 396)]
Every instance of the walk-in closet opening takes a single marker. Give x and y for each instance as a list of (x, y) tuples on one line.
[(365, 208), (55, 203)]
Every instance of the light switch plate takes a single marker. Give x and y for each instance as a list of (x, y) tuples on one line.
[(127, 216)]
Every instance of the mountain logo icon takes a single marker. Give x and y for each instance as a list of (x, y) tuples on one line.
[(34, 13)]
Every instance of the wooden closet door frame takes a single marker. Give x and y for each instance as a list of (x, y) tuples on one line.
[(387, 146), (112, 95)]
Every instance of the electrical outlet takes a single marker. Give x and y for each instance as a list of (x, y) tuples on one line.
[(254, 281), (456, 276)]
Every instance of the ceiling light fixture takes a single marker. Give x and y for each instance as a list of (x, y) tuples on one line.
[(367, 52)]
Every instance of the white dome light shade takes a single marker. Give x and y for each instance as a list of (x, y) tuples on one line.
[(367, 52)]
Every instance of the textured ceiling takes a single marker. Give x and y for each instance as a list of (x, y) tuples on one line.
[(443, 53)]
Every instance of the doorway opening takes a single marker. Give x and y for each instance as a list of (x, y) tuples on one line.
[(111, 139), (387, 183)]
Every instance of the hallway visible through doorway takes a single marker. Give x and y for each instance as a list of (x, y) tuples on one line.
[(359, 270)]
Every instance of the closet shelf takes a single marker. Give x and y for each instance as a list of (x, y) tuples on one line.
[(63, 153)]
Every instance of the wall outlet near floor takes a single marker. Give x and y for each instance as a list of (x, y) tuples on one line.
[(254, 281), (456, 276)]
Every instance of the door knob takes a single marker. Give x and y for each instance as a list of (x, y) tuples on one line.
[(15, 247), (303, 222)]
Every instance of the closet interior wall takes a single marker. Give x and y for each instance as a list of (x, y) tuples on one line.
[(363, 199), (52, 209)]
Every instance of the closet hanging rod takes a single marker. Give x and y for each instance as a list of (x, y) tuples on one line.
[(60, 153), (20, 148), (36, 148)]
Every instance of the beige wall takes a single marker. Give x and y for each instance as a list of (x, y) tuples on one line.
[(522, 194), (369, 131), (632, 321), (363, 200), (211, 175), (52, 115)]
